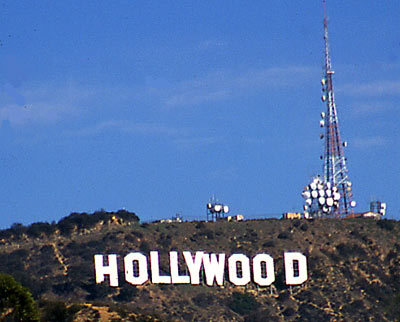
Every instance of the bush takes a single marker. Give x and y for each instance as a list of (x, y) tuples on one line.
[(296, 222), (58, 311), (243, 303), (284, 235), (269, 243), (144, 247), (126, 293), (203, 300), (385, 224), (87, 221), (200, 225), (97, 291), (289, 312), (350, 250), (18, 229), (304, 227), (36, 229), (63, 288)]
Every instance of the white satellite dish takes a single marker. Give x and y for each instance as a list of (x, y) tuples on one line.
[(321, 193), (322, 123), (308, 201), (353, 203), (313, 186), (323, 114), (314, 194), (336, 196), (329, 201), (321, 200), (226, 209), (217, 208), (328, 192)]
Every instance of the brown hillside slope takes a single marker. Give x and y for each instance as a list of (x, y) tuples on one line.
[(353, 267)]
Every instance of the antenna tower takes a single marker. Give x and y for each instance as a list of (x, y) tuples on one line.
[(334, 169)]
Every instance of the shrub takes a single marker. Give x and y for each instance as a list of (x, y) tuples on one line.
[(304, 227), (350, 250), (18, 229), (200, 225), (243, 303), (97, 291), (284, 235), (385, 224), (268, 243), (126, 293), (296, 222), (144, 247), (36, 229), (59, 312), (63, 288), (203, 299), (209, 234), (289, 312)]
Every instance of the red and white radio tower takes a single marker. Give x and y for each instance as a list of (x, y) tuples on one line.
[(334, 171)]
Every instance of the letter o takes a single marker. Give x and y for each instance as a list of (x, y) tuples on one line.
[(257, 272), (143, 274), (232, 266)]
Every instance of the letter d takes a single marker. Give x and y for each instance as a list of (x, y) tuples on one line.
[(295, 268)]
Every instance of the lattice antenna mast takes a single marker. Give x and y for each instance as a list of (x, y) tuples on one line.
[(334, 170)]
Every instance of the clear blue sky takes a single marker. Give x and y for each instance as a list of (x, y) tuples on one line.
[(157, 105)]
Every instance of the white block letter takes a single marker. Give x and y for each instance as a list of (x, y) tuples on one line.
[(140, 269), (193, 266), (233, 272), (258, 261), (174, 265), (214, 268), (295, 268), (155, 270), (111, 269)]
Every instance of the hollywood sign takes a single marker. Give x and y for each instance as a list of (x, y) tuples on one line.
[(211, 266)]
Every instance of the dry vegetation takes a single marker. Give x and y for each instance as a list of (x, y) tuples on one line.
[(354, 269)]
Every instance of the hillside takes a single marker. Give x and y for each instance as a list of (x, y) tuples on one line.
[(353, 267)]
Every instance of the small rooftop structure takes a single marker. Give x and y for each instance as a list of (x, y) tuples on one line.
[(291, 215), (232, 218), (177, 218), (368, 214)]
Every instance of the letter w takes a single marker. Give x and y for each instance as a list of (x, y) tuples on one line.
[(214, 268)]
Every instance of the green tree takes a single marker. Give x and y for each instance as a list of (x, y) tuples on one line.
[(16, 302)]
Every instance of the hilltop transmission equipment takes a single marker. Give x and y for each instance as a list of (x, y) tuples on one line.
[(378, 207), (335, 173), (216, 210)]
